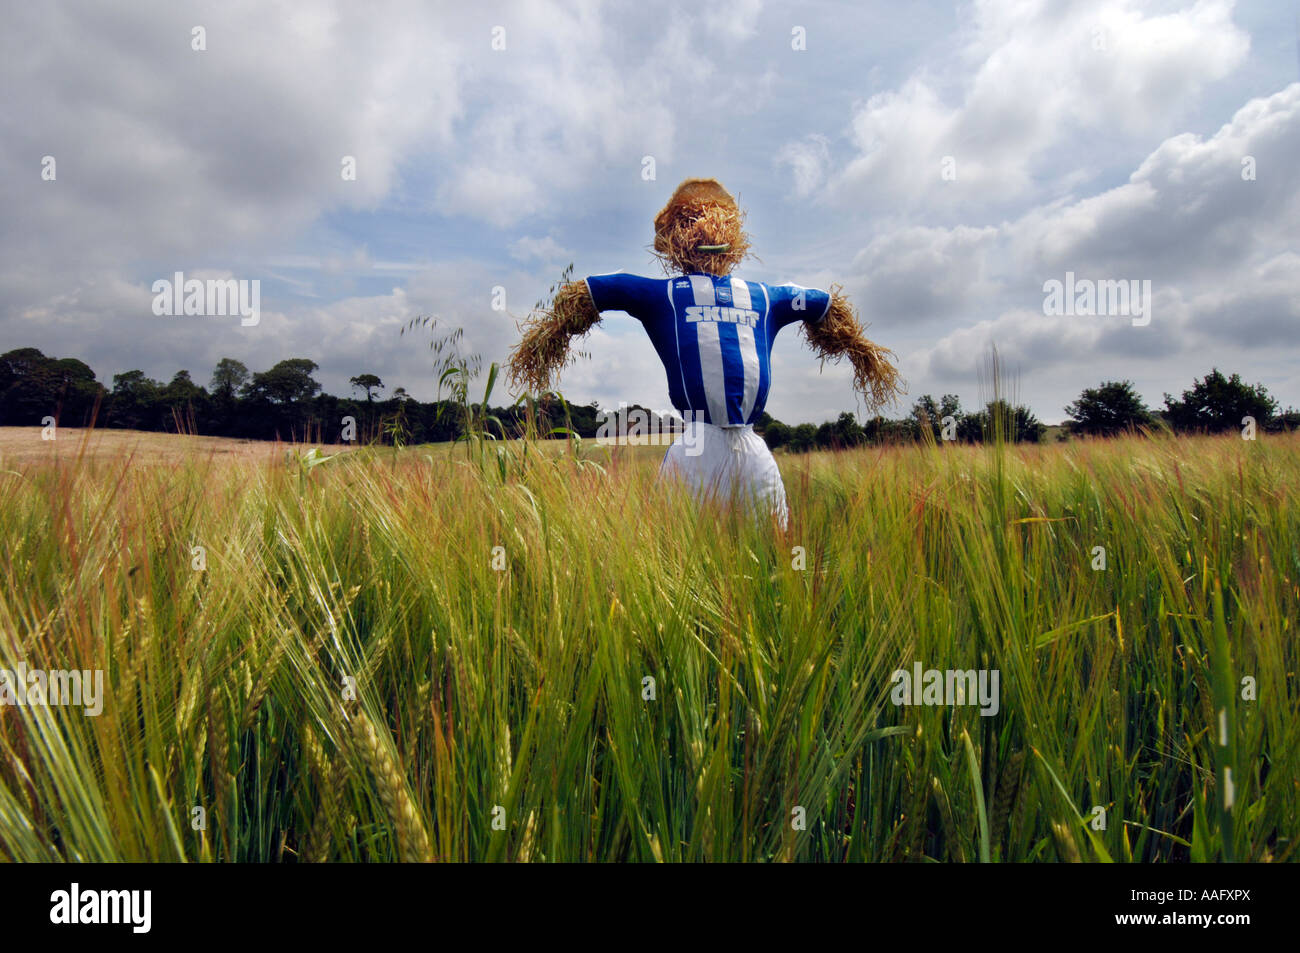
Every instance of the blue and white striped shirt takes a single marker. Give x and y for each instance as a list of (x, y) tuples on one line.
[(714, 335)]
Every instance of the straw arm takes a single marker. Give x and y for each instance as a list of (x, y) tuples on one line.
[(839, 335), (543, 350)]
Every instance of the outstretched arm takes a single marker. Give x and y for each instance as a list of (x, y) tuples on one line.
[(839, 334), (543, 351)]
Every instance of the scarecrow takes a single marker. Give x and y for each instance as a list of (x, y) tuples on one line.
[(714, 333)]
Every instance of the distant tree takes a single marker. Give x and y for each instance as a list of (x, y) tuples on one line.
[(846, 431), (999, 419), (34, 386), (184, 402), (287, 383), (22, 400), (1287, 421), (135, 401), (368, 383), (971, 427), (228, 378), (69, 370), (1217, 403), (1112, 408), (927, 413), (182, 389), (776, 433), (134, 382), (75, 390), (20, 362), (803, 438), (882, 430)]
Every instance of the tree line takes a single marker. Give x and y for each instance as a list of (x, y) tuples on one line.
[(1213, 404), (286, 402)]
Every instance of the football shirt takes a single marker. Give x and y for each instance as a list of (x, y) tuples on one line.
[(713, 333)]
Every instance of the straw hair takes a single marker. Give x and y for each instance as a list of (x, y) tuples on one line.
[(543, 350), (694, 192), (701, 213), (838, 335)]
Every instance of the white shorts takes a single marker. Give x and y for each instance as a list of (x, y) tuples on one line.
[(730, 464)]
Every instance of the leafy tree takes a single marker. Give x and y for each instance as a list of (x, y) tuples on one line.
[(367, 382), (999, 419), (34, 386), (229, 378), (803, 438), (185, 402), (69, 370), (23, 398), (20, 363), (927, 413), (135, 401), (286, 384), (776, 434), (1112, 408), (76, 390), (1286, 421), (846, 431), (1217, 403), (182, 389), (880, 430)]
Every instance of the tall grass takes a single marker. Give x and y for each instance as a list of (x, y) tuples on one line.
[(359, 675)]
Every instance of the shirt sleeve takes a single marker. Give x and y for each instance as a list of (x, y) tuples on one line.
[(621, 291), (791, 303)]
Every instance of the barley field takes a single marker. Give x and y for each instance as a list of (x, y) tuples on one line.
[(517, 652)]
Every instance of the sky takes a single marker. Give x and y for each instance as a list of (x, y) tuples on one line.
[(941, 161)]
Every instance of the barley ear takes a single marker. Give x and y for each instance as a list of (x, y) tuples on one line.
[(1008, 789), (412, 839)]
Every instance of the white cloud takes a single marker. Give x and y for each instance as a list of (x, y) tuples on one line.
[(162, 150), (915, 273), (545, 250), (1215, 246), (732, 20), (807, 159), (496, 196), (1052, 83)]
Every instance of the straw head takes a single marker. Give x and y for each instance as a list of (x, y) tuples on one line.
[(701, 229)]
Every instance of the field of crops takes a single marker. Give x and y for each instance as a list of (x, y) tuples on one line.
[(506, 654)]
